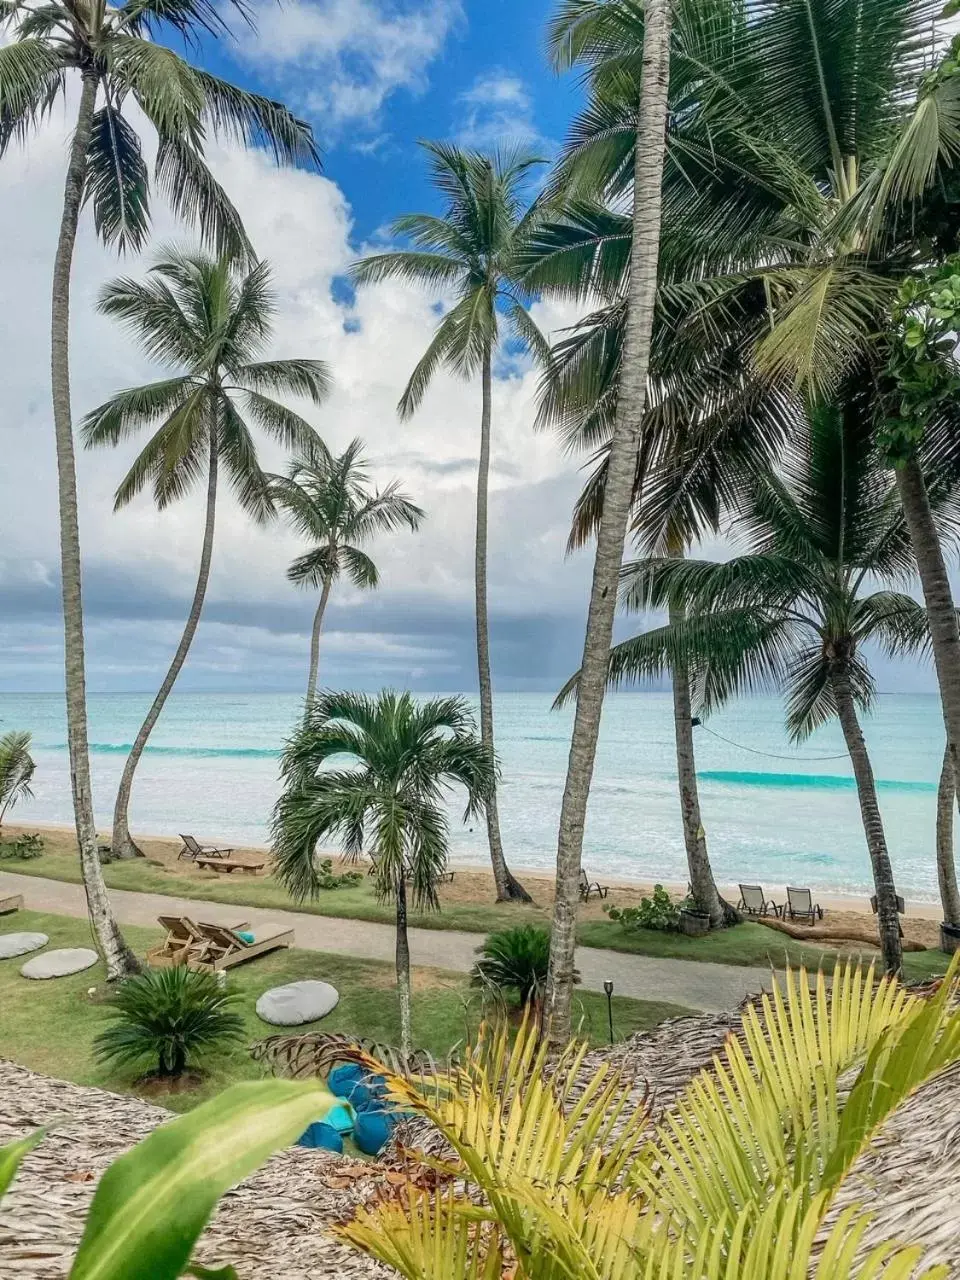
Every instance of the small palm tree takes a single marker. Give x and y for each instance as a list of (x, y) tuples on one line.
[(515, 960), (793, 609), (406, 757), (328, 502), (474, 249), (16, 771), (168, 1015), (118, 55), (211, 320)]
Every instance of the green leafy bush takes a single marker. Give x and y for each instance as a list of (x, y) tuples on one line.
[(24, 847), (658, 912), (515, 960), (168, 1015), (326, 879)]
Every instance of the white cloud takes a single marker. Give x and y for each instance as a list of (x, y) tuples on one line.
[(496, 110), (339, 60), (140, 563)]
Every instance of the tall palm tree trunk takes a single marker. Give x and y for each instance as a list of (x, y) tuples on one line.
[(937, 597), (117, 956), (403, 967), (618, 498), (888, 919), (702, 884), (508, 888), (315, 641), (946, 861), (122, 844)]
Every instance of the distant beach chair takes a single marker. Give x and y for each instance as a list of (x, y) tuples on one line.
[(443, 878), (901, 905), (228, 946), (801, 906), (588, 887), (192, 850), (754, 902)]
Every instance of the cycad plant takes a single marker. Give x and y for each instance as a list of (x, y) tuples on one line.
[(211, 320), (404, 758), (797, 609), (474, 250), (168, 1016), (328, 501), (118, 57), (17, 768), (557, 1172), (514, 960)]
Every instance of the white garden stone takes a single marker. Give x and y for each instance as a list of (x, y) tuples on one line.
[(18, 944), (58, 964), (297, 1002)]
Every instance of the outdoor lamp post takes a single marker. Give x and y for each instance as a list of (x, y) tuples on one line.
[(608, 988)]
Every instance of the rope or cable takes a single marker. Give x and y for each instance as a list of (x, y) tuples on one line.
[(771, 755)]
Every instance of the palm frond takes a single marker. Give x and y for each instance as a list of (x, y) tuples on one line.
[(130, 411), (361, 569), (183, 178), (117, 181), (308, 378), (31, 79), (256, 121)]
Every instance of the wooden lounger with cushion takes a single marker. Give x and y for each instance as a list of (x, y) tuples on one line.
[(229, 947), (184, 943), (192, 850), (228, 865)]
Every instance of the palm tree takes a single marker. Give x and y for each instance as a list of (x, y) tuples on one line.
[(473, 249), (649, 113), (794, 609), (210, 319), (117, 55), (406, 757), (946, 858), (328, 502), (16, 771), (818, 152)]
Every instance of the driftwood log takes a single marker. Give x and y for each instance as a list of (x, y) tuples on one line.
[(825, 933)]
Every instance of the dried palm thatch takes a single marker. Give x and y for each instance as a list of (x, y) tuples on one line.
[(302, 1057), (274, 1224)]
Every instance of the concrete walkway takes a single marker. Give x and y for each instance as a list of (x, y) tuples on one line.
[(696, 985)]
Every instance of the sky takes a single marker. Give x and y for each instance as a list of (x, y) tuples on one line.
[(372, 77)]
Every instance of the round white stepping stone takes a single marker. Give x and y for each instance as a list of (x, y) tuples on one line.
[(297, 1002), (18, 944), (58, 964)]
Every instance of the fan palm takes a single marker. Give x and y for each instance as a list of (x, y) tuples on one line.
[(473, 249), (328, 501), (794, 610), (406, 757), (17, 768), (211, 320), (117, 55)]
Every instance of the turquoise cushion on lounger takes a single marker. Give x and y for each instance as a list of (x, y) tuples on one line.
[(246, 935), (321, 1135)]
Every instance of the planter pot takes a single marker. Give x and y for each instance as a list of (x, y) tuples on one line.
[(949, 938), (693, 923)]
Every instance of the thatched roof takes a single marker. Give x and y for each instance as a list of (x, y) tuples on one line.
[(275, 1224)]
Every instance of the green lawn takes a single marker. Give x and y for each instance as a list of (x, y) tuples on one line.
[(50, 1026), (748, 944)]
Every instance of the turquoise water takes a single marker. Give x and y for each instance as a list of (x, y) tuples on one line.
[(771, 813)]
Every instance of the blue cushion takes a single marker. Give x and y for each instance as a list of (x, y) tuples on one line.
[(372, 1130), (341, 1118), (344, 1078), (321, 1135), (246, 935)]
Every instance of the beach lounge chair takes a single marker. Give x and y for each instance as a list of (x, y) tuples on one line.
[(588, 887), (228, 947), (192, 850), (226, 866), (801, 906), (443, 878), (754, 902), (901, 905), (184, 943)]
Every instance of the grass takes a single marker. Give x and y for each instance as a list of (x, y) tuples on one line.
[(749, 944), (50, 1026)]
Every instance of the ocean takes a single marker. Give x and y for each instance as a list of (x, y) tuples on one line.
[(772, 813)]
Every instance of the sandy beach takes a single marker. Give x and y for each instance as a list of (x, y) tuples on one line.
[(474, 883)]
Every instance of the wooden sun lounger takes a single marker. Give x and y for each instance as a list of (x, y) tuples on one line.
[(184, 943), (226, 947), (228, 865), (13, 903)]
